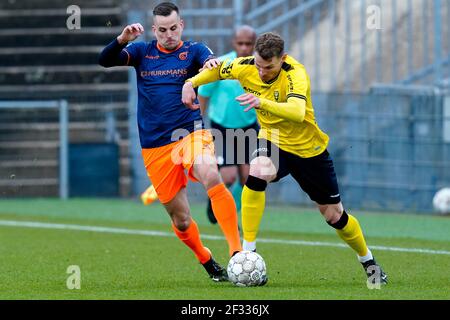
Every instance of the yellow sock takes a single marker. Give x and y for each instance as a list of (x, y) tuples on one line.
[(353, 236), (252, 208)]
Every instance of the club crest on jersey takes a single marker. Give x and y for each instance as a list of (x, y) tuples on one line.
[(183, 55), (276, 95)]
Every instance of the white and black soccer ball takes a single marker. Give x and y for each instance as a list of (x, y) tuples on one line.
[(246, 269), (441, 201)]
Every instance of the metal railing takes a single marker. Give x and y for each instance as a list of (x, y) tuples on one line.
[(390, 146)]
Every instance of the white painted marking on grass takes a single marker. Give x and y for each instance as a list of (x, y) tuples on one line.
[(75, 227)]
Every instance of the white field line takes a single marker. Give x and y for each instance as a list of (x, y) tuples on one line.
[(58, 226)]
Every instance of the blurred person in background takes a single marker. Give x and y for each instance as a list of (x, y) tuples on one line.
[(217, 99)]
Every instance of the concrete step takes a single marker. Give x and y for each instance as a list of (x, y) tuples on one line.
[(62, 87), (97, 115), (72, 96), (73, 68), (73, 92), (13, 164), (56, 37), (49, 188), (90, 112), (117, 107), (29, 172), (56, 4), (44, 76), (61, 55), (78, 132), (29, 188), (6, 51), (55, 18), (28, 163), (11, 127), (20, 150), (50, 171), (29, 150), (75, 135), (11, 116), (46, 188)]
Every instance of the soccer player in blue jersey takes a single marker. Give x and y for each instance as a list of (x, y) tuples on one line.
[(172, 137)]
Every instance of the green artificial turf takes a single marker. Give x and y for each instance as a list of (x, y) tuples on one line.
[(34, 261)]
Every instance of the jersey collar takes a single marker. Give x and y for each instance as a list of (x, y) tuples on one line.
[(273, 80), (160, 48)]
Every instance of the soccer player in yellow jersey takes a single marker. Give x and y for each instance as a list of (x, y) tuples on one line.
[(289, 142)]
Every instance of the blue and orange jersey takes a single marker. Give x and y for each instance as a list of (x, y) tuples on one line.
[(160, 78)]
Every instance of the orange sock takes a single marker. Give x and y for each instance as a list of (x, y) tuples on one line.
[(224, 209), (191, 238)]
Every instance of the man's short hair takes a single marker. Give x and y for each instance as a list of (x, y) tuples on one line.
[(165, 9), (269, 45), (244, 27)]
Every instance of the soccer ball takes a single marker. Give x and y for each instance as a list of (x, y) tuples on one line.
[(246, 269), (441, 201)]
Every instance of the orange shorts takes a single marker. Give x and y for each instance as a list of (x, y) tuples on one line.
[(165, 165)]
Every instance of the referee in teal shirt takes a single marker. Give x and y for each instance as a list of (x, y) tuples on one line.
[(217, 99)]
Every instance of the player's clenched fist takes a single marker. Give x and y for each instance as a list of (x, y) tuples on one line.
[(130, 33), (188, 96), (210, 64)]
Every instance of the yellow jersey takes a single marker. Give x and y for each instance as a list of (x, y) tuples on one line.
[(296, 134)]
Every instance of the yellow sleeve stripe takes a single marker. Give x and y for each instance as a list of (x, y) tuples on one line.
[(247, 61), (296, 95)]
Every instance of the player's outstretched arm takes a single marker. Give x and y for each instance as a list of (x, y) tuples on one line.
[(113, 55)]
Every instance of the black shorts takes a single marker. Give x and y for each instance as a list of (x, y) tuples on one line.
[(316, 175), (235, 144)]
